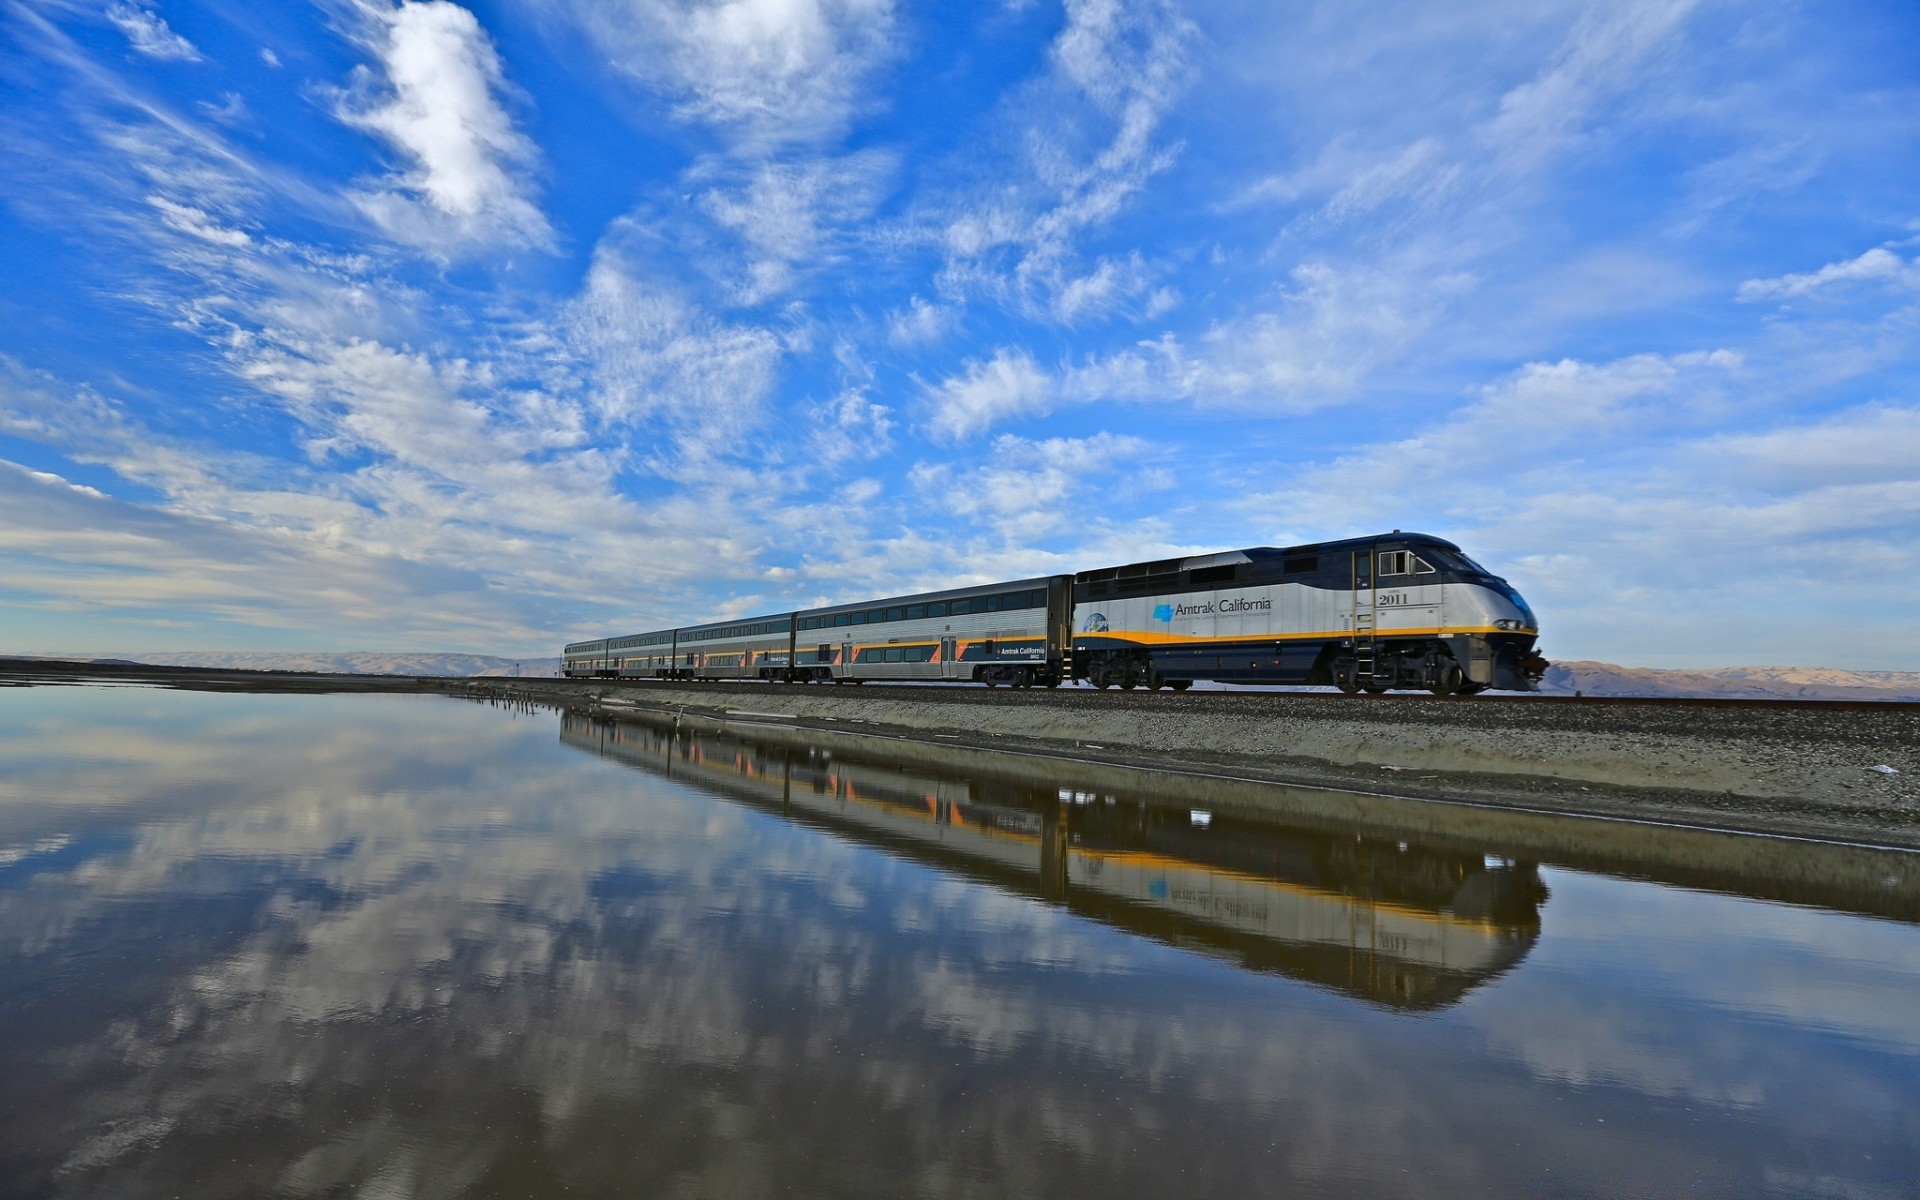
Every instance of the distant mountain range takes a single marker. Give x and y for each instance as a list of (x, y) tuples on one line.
[(1758, 683), (1563, 679), (345, 662)]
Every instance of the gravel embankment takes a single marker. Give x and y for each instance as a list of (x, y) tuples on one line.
[(1765, 768)]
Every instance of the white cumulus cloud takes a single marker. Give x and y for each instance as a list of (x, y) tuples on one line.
[(436, 99)]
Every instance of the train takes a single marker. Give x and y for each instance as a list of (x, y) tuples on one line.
[(1404, 611)]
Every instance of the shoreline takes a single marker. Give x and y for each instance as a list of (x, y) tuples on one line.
[(1783, 770)]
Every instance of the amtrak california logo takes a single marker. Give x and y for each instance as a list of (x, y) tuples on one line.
[(1163, 612), (1096, 623)]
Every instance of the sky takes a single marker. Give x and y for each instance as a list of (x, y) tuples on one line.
[(361, 325)]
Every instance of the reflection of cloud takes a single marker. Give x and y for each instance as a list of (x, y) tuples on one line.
[(407, 944)]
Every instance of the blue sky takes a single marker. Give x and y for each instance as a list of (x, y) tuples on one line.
[(363, 326)]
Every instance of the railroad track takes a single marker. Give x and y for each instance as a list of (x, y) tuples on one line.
[(28, 671)]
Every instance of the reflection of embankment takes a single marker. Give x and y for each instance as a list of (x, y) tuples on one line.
[(1392, 923)]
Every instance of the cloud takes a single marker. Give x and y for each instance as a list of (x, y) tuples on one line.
[(1878, 265), (1599, 58), (920, 322), (1501, 443), (1027, 490), (851, 427), (437, 101), (132, 570), (788, 215), (1007, 385), (149, 33), (1870, 445), (1315, 347), (650, 356), (1116, 68), (767, 71)]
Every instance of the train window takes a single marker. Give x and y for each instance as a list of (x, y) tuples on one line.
[(896, 614), (810, 623), (1421, 566), (937, 610), (895, 654), (916, 612), (992, 603), (1037, 599), (1012, 601), (1396, 562), (876, 615), (1302, 566), (919, 654), (840, 619), (858, 618), (962, 607)]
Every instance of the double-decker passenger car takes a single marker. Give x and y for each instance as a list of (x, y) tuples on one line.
[(1401, 610), (1012, 633)]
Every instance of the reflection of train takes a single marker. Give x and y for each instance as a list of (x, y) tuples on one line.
[(1382, 920), (1401, 610)]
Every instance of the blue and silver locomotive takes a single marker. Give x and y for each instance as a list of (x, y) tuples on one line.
[(1401, 610)]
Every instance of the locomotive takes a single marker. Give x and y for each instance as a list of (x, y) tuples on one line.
[(1393, 611)]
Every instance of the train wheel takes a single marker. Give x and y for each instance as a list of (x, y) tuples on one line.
[(1179, 685), (1447, 679)]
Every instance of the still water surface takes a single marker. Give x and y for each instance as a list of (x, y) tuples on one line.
[(409, 946)]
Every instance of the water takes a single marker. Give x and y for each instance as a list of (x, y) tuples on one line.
[(410, 946)]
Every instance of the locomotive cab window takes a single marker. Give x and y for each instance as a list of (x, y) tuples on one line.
[(1396, 562)]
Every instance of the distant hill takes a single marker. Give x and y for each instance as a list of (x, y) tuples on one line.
[(1758, 683), (362, 662)]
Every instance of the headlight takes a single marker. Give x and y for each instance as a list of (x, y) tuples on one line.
[(1509, 624)]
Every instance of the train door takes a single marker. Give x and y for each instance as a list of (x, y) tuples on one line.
[(1060, 626), (846, 661), (949, 653), (1364, 630)]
